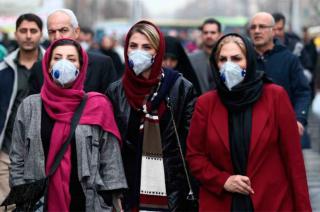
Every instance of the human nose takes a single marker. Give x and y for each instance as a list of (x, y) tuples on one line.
[(57, 35), (28, 34)]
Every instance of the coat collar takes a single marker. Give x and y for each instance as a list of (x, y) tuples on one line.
[(259, 119)]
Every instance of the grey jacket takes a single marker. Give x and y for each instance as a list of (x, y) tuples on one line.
[(200, 63), (98, 155)]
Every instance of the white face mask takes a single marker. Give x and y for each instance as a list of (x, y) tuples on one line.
[(231, 74), (140, 61), (64, 72)]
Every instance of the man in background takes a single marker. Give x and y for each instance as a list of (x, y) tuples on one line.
[(283, 67), (14, 76), (62, 23), (210, 33)]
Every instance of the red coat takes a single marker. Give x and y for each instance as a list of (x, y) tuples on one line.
[(275, 164)]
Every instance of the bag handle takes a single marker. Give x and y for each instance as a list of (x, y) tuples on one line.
[(190, 194), (74, 122)]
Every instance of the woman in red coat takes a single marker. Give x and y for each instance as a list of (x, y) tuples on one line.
[(243, 145)]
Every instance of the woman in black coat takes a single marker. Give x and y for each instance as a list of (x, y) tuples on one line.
[(142, 100)]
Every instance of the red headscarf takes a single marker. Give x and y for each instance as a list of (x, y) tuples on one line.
[(60, 104), (137, 88)]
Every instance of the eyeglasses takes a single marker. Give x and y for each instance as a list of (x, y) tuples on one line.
[(260, 26)]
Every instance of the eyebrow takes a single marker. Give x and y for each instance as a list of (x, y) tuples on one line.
[(144, 44), (69, 55), (236, 55)]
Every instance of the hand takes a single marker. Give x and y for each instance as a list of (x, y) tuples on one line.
[(238, 183), (300, 128)]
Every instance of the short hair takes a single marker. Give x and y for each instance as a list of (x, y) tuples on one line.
[(211, 21), (279, 17), (70, 13), (149, 31), (87, 30), (31, 18)]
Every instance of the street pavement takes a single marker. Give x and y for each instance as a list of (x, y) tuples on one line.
[(312, 162)]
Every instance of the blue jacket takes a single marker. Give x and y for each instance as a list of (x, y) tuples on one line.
[(8, 89), (285, 69)]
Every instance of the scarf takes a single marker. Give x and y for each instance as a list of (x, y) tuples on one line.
[(60, 104), (174, 49), (153, 195), (239, 102), (148, 95), (137, 88)]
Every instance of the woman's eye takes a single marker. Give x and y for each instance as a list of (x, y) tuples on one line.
[(236, 59), (222, 59)]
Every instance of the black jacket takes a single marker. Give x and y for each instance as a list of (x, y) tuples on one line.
[(182, 100), (100, 74)]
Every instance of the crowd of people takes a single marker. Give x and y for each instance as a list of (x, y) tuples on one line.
[(219, 129)]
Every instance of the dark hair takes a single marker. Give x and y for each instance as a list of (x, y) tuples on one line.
[(87, 30), (31, 18), (279, 17), (67, 42), (211, 21)]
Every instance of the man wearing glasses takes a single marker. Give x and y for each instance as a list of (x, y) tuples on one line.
[(280, 65)]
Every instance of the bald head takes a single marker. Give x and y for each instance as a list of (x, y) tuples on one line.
[(62, 23), (261, 31), (265, 16)]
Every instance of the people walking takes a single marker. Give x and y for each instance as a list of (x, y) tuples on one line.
[(243, 145), (149, 101), (90, 176), (14, 76)]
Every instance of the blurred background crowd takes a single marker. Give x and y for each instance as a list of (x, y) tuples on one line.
[(104, 24)]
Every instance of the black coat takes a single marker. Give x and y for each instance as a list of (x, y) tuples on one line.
[(100, 74), (182, 99)]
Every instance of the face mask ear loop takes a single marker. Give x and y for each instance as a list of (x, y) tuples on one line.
[(153, 59), (243, 72)]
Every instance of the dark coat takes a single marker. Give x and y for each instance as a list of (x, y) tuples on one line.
[(275, 161), (285, 69), (182, 100), (294, 44), (100, 74)]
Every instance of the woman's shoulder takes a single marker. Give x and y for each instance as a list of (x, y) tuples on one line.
[(32, 98), (31, 101), (30, 105), (273, 89), (207, 99), (181, 80), (98, 99), (212, 94), (115, 85), (114, 89)]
